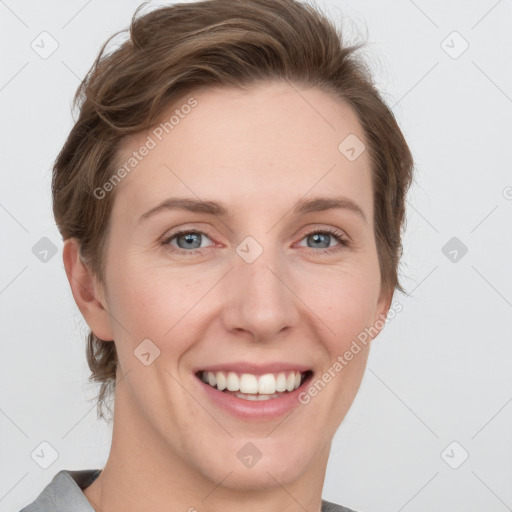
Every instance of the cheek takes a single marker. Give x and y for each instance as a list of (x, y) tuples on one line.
[(349, 347), (148, 303), (346, 310), (344, 301)]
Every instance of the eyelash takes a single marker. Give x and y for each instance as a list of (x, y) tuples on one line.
[(344, 242)]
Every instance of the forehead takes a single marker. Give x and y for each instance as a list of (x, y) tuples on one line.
[(275, 143)]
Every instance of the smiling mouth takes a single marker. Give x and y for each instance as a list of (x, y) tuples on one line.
[(255, 387)]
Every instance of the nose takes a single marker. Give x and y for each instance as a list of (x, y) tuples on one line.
[(259, 297)]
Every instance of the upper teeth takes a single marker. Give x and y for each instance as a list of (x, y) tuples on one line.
[(267, 384)]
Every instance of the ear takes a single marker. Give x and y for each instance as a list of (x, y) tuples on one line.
[(87, 291), (381, 311)]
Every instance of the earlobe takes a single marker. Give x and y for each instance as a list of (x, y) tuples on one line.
[(87, 291)]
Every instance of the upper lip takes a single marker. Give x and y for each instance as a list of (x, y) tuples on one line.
[(255, 369)]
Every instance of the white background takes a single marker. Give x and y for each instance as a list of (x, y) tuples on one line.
[(439, 372)]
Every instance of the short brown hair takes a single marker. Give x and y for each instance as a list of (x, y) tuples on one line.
[(176, 49)]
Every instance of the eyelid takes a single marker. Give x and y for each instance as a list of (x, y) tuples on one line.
[(337, 233), (344, 241), (166, 239)]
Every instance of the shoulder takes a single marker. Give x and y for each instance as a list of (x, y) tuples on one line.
[(64, 493), (327, 506)]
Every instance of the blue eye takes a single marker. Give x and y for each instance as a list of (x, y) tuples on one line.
[(320, 236), (186, 240), (189, 242)]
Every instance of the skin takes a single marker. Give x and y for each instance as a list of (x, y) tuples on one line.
[(258, 152)]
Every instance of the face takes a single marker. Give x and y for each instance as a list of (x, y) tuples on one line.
[(268, 282)]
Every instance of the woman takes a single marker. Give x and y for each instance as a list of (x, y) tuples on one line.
[(231, 200)]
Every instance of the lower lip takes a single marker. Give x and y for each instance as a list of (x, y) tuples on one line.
[(255, 409)]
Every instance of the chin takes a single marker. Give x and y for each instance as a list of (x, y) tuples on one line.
[(276, 462), (260, 477)]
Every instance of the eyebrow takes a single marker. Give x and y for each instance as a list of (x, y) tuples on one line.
[(302, 206)]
